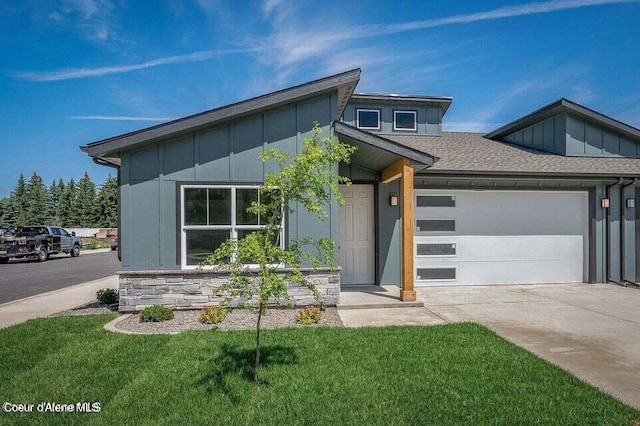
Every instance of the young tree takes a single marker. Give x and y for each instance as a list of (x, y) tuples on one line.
[(107, 204), (36, 203), (308, 179)]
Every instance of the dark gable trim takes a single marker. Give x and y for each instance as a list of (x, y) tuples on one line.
[(557, 107), (345, 84), (383, 143)]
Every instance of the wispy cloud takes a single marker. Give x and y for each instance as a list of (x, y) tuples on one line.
[(119, 118), (319, 41), (500, 13), (91, 18), (76, 73)]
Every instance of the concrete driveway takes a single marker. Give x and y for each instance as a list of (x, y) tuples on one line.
[(591, 330)]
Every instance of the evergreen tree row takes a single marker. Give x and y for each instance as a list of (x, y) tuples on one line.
[(71, 204)]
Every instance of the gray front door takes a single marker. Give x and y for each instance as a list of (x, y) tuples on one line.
[(356, 236)]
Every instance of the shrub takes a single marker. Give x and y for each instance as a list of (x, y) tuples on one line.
[(90, 245), (156, 313), (107, 296), (309, 315), (213, 315)]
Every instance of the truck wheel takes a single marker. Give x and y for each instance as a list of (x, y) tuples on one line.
[(75, 251), (42, 254)]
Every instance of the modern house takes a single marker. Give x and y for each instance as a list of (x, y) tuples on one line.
[(548, 198)]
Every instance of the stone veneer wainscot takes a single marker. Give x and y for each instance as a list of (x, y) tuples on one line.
[(195, 289)]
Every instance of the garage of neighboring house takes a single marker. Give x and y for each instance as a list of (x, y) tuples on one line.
[(468, 237)]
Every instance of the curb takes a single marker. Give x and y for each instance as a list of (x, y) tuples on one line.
[(95, 251)]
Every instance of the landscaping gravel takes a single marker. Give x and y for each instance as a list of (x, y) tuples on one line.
[(236, 320)]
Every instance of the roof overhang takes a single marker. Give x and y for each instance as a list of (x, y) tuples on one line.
[(376, 153), (443, 102), (560, 106), (109, 149)]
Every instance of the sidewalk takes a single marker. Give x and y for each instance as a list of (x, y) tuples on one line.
[(45, 304)]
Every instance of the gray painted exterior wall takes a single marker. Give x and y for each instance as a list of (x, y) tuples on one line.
[(226, 153), (568, 135), (429, 118)]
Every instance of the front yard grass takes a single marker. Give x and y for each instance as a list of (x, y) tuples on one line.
[(454, 374)]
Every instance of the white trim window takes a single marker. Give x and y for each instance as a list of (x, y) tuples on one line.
[(405, 120), (212, 214), (368, 118)]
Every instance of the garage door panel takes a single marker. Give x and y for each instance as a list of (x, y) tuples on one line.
[(503, 272), (503, 237), (513, 213)]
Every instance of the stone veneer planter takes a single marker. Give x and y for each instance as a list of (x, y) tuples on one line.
[(194, 289)]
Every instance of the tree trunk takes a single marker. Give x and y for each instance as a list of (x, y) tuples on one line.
[(256, 378)]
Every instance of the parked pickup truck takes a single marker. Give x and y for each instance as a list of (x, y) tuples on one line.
[(38, 242)]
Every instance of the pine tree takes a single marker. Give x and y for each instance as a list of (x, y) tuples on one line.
[(6, 213), (55, 196), (86, 202), (107, 204), (67, 212), (36, 202), (18, 203)]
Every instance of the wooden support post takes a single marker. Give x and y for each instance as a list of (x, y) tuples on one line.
[(393, 172), (407, 293)]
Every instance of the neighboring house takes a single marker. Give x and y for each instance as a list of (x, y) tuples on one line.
[(547, 198)]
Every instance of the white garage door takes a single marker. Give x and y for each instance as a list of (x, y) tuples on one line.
[(500, 237)]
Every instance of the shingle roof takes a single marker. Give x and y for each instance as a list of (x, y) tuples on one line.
[(460, 152)]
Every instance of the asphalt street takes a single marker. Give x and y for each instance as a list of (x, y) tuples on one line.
[(20, 278)]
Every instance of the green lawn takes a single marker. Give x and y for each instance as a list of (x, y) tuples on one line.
[(454, 374)]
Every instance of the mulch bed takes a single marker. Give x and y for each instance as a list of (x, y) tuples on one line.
[(189, 320)]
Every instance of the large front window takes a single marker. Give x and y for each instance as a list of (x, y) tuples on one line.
[(212, 214)]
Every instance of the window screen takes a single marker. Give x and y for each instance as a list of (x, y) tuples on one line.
[(368, 118), (404, 120)]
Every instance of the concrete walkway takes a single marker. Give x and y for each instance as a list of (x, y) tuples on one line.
[(366, 306), (45, 304)]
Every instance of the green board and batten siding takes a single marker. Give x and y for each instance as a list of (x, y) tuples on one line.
[(429, 117), (227, 152), (565, 134)]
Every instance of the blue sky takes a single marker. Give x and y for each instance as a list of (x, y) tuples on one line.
[(76, 71)]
